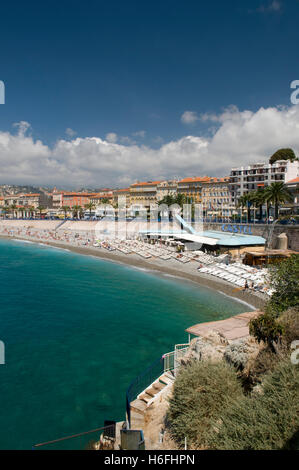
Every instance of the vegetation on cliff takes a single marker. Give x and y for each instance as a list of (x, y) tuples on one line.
[(218, 406)]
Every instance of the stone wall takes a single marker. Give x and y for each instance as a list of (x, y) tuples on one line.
[(262, 230)]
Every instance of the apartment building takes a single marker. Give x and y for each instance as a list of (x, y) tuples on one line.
[(71, 199), (192, 188), (28, 200), (167, 188), (293, 187), (216, 198), (260, 175), (102, 197), (144, 194), (121, 197)]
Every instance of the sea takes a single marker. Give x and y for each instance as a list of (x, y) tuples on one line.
[(77, 330)]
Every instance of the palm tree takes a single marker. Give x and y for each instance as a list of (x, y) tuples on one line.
[(76, 210), (89, 206), (40, 209), (245, 201), (168, 200), (259, 199), (277, 193), (65, 210), (5, 209), (180, 199), (13, 208), (105, 200), (22, 210)]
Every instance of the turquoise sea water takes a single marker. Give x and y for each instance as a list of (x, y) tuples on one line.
[(77, 330)]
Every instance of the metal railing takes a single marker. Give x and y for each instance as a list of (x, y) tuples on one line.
[(142, 381), (168, 362), (82, 441)]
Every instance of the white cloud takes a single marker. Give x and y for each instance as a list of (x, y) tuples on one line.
[(22, 127), (274, 6), (189, 117), (240, 137), (70, 132), (139, 134), (111, 137)]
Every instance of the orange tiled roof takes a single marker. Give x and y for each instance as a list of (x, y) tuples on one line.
[(195, 179), (146, 183), (78, 194), (295, 180), (121, 190)]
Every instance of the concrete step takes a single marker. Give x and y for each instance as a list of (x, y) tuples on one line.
[(170, 374), (158, 386), (164, 379), (138, 406), (151, 391), (145, 397)]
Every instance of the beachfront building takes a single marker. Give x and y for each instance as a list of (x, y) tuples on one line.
[(216, 198), (102, 198), (143, 194), (34, 200), (260, 175), (121, 197), (293, 187), (167, 188), (71, 199), (192, 188)]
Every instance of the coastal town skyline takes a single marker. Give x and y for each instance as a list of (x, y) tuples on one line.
[(93, 109)]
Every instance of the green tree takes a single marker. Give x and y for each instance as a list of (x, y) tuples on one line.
[(65, 210), (180, 199), (246, 201), (284, 281), (277, 193), (105, 200), (283, 154), (6, 210), (259, 199), (90, 206), (13, 209), (76, 210), (169, 199), (40, 209)]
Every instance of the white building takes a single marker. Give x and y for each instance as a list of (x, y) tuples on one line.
[(260, 175)]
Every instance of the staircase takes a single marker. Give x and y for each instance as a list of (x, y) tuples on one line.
[(147, 397)]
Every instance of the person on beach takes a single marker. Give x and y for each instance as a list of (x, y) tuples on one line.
[(246, 285)]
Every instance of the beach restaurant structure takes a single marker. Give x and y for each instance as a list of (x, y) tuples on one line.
[(234, 241)]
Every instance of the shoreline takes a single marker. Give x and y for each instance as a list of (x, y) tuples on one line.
[(182, 272)]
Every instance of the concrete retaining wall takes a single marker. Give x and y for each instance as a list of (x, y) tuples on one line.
[(292, 232)]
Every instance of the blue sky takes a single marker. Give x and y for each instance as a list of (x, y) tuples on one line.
[(127, 71)]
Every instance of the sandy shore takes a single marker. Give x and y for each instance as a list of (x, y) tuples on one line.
[(170, 267)]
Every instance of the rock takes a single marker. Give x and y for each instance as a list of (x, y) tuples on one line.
[(210, 347), (240, 351)]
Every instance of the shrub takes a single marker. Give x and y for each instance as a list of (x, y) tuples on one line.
[(283, 154), (284, 280), (266, 328), (257, 367), (201, 390), (289, 321), (266, 421)]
